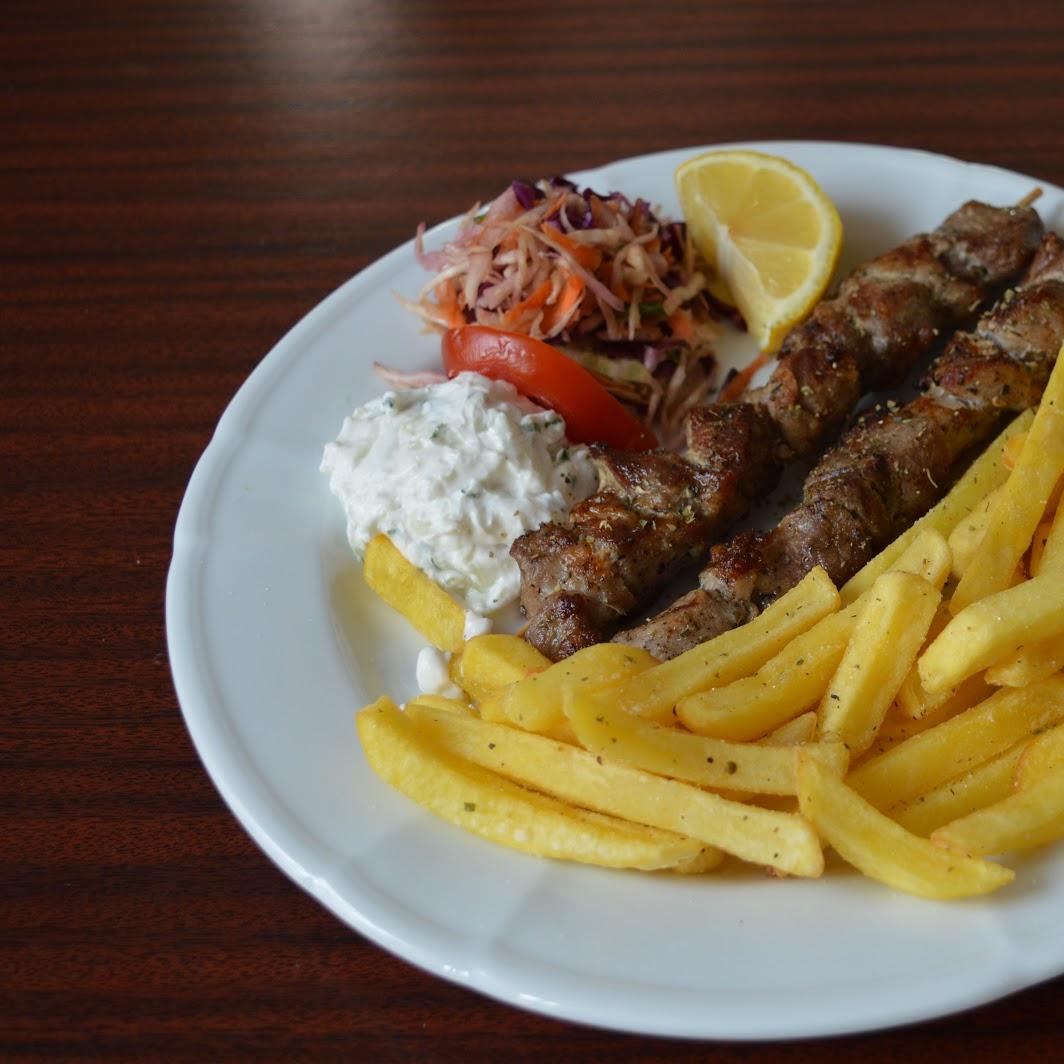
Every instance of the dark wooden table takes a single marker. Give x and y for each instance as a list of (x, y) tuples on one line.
[(179, 183)]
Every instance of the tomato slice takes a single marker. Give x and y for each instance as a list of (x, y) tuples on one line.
[(542, 373)]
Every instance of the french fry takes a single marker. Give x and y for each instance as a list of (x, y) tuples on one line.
[(916, 703), (781, 841), (1013, 450), (985, 784), (883, 850), (897, 727), (743, 767), (1011, 457), (1029, 664), (926, 556), (1043, 757), (802, 729), (488, 805), (964, 540), (955, 746), (987, 630), (454, 674), (706, 860), (449, 705), (408, 590), (490, 662), (1029, 817), (733, 654), (985, 474), (913, 699), (1038, 547), (793, 679), (884, 644), (798, 675), (1052, 557), (536, 702), (1019, 508)]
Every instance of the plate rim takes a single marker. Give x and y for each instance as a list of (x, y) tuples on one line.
[(228, 763)]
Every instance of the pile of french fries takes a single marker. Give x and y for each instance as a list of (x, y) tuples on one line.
[(912, 720)]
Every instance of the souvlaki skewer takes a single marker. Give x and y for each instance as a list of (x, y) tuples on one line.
[(657, 514)]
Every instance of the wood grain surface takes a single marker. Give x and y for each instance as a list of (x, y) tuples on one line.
[(179, 183)]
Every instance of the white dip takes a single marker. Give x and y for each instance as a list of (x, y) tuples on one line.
[(433, 677), (453, 474)]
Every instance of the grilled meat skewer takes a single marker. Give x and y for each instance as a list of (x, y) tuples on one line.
[(657, 514), (888, 470)]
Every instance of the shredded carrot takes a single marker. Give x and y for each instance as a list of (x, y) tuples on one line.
[(556, 204), (532, 302), (584, 254), (509, 240), (557, 312), (738, 384), (682, 325), (447, 297)]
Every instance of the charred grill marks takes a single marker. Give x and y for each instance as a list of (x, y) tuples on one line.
[(656, 514), (886, 471)]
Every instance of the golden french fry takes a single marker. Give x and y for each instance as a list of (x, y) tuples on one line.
[(1020, 506), (1032, 657), (1043, 756), (450, 705), (706, 860), (1028, 664), (623, 737), (885, 641), (985, 474), (407, 589), (883, 850), (482, 802), (913, 699), (1038, 546), (493, 661), (1052, 558), (1027, 818), (964, 540), (733, 654), (454, 674), (897, 727), (926, 556), (798, 675), (780, 841), (793, 679), (1013, 450), (988, 630), (955, 746), (916, 703), (802, 729), (536, 702), (984, 785)]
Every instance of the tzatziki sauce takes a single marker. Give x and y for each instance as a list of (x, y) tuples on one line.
[(453, 473)]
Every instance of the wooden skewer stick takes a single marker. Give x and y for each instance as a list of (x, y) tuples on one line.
[(1030, 198)]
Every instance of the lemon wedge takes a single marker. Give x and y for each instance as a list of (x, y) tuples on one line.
[(768, 230)]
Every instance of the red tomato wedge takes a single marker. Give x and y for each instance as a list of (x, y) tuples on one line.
[(542, 373)]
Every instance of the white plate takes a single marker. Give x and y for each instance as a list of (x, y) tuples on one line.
[(275, 642)]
